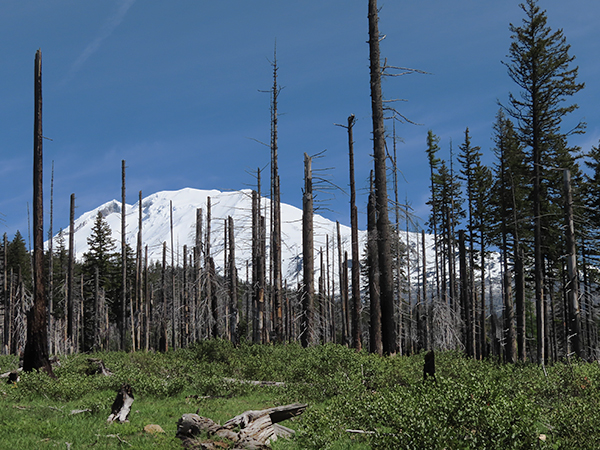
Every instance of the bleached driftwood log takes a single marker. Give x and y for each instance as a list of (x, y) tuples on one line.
[(122, 405), (256, 428)]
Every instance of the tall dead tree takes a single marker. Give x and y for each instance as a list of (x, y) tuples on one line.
[(174, 309), (384, 239), (427, 342), (572, 286), (5, 296), (275, 212), (373, 264), (138, 282), (308, 294), (123, 321), (35, 355), (255, 246), (343, 291), (356, 303), (185, 317), (233, 294), (51, 265), (163, 342), (70, 268), (465, 296), (262, 273), (509, 331), (197, 274), (211, 295)]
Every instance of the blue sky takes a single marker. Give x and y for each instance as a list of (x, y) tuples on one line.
[(174, 89)]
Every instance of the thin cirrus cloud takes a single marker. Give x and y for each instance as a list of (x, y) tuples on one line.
[(105, 32)]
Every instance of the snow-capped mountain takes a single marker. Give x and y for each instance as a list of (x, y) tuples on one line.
[(156, 220)]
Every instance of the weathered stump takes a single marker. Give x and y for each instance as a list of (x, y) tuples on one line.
[(121, 407), (429, 366)]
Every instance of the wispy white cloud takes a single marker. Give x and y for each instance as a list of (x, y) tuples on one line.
[(106, 30)]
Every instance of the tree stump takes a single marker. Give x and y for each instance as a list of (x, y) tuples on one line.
[(122, 405), (249, 430), (429, 366)]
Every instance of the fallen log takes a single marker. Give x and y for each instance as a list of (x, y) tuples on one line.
[(256, 383), (249, 430)]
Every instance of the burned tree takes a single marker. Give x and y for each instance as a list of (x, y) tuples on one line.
[(36, 350), (307, 332), (384, 238)]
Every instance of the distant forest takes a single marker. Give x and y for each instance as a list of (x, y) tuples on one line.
[(537, 206)]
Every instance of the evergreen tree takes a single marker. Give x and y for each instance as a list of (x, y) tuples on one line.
[(540, 66), (102, 259), (510, 213), (434, 161), (591, 192), (19, 259)]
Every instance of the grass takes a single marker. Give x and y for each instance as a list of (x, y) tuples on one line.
[(474, 404)]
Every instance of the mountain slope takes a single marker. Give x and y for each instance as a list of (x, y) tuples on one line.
[(156, 219)]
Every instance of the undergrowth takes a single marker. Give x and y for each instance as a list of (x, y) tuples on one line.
[(472, 405)]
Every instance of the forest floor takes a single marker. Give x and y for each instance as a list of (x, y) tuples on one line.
[(471, 405)]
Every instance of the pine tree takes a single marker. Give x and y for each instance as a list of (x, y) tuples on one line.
[(102, 258), (18, 258), (434, 161), (540, 66), (510, 213)]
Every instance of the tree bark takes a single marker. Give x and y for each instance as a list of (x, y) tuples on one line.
[(356, 303), (123, 260), (70, 266), (464, 295), (233, 294), (373, 264), (308, 294), (573, 280), (36, 349), (384, 241)]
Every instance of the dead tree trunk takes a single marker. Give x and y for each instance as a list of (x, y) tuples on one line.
[(427, 342), (262, 273), (343, 293), (197, 275), (255, 429), (123, 321), (464, 295), (138, 281), (147, 302), (70, 266), (174, 308), (384, 241), (572, 282), (373, 263), (275, 212), (210, 275), (356, 303), (307, 332), (509, 320), (36, 350), (51, 265), (255, 246), (233, 294), (163, 345), (185, 310), (5, 297)]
